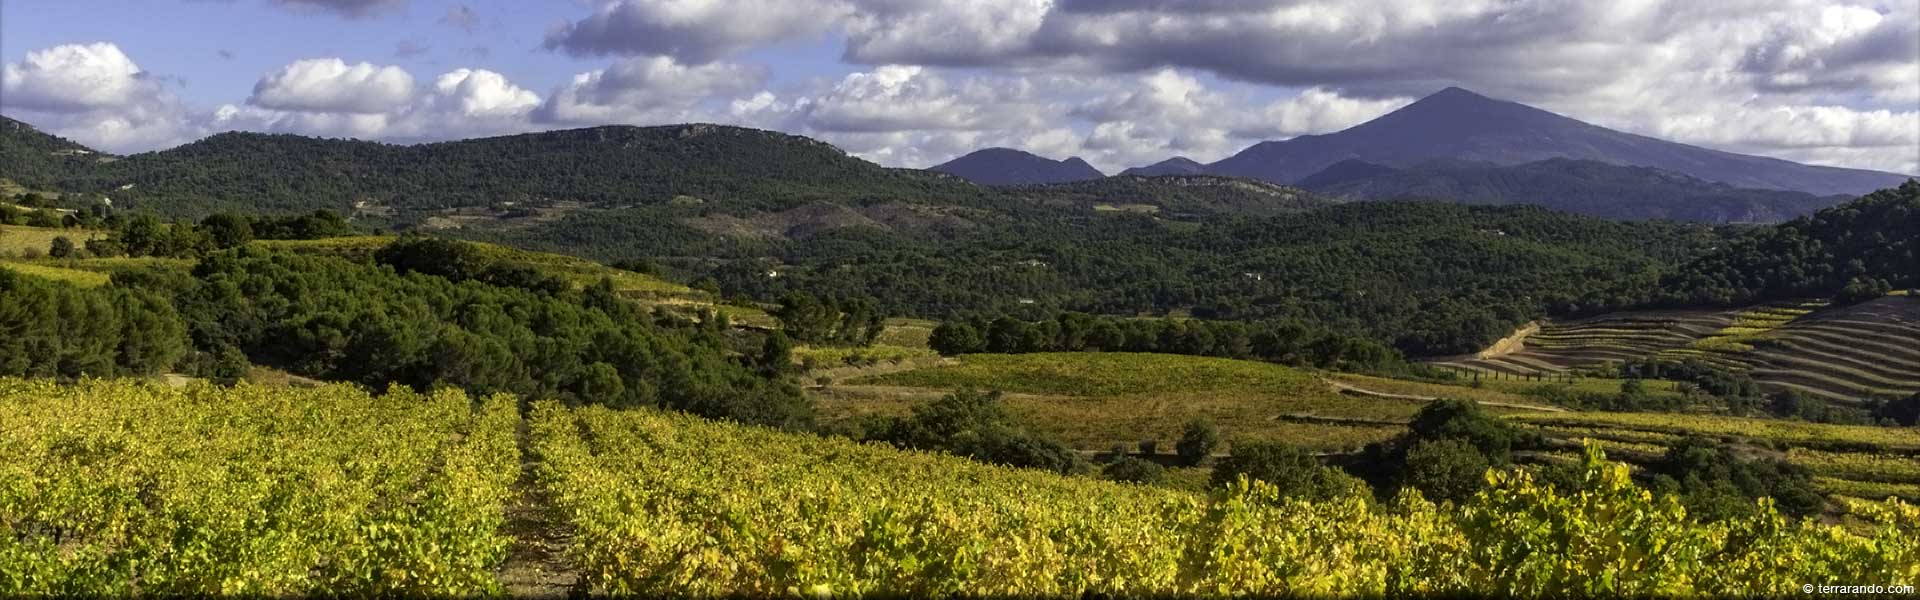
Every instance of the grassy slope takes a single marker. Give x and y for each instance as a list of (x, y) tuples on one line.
[(1096, 400)]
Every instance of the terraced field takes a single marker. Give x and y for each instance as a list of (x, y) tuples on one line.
[(1565, 345), (1844, 354), (1847, 461)]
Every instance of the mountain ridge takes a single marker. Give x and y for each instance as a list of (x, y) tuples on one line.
[(1007, 166), (1579, 186), (1455, 123)]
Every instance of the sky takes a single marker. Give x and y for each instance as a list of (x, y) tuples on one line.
[(914, 83)]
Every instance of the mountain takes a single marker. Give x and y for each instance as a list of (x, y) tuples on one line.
[(37, 159), (1006, 166), (1461, 125), (1579, 186), (1176, 196), (715, 167), (1178, 165)]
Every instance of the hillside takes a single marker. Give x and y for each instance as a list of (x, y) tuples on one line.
[(1847, 354), (116, 486), (1578, 186), (38, 160), (726, 168), (1178, 165), (1860, 249), (1005, 166), (1455, 124), (1176, 196)]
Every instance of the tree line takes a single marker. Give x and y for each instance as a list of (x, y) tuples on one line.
[(392, 319), (1271, 341)]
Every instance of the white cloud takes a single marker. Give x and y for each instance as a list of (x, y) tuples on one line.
[(647, 90), (482, 93), (94, 94), (330, 85), (74, 78)]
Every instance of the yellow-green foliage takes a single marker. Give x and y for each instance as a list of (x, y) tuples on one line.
[(108, 488), (1861, 467), (18, 241), (667, 504), (831, 356), (1766, 430), (1874, 490), (1749, 326), (906, 333), (1093, 400), (56, 271)]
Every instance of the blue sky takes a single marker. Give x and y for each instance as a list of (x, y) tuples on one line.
[(916, 82)]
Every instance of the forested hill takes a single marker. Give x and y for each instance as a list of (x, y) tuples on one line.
[(1580, 186), (1858, 250), (1175, 196), (728, 168), (37, 159)]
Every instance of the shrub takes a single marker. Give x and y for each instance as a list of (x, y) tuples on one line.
[(1445, 469), (1296, 473), (1135, 470), (1197, 442)]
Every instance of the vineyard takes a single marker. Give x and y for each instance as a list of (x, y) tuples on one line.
[(1846, 354), (670, 504), (118, 488)]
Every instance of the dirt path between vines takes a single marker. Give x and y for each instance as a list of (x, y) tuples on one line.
[(536, 566)]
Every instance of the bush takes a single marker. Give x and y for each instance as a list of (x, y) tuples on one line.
[(1444, 469), (1295, 472), (1197, 442), (1135, 470), (972, 423), (1715, 483)]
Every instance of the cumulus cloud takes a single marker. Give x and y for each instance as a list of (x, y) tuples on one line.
[(482, 93), (96, 95), (330, 85), (647, 90), (1689, 69), (75, 78)]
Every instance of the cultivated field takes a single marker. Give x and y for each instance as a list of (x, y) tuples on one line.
[(1093, 401), (1846, 354), (112, 488)]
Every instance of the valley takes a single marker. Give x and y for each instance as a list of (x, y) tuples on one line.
[(710, 360)]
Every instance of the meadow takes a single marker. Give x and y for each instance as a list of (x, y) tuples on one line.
[(1093, 401)]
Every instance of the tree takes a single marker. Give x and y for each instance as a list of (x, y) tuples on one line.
[(1197, 442), (776, 355), (955, 338), (1130, 469), (1444, 469), (1463, 420), (227, 230), (1904, 411), (1295, 472), (61, 248)]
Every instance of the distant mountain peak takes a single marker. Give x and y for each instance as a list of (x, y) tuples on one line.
[(1178, 165), (1456, 124), (1007, 166)]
